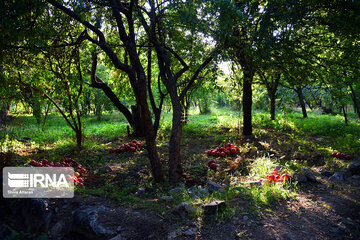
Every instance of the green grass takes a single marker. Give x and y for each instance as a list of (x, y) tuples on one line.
[(220, 123), (58, 132), (343, 138)]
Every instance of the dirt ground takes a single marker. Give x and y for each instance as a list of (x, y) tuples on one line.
[(324, 210)]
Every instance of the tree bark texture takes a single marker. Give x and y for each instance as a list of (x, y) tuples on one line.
[(247, 103), (175, 168), (353, 95), (298, 90)]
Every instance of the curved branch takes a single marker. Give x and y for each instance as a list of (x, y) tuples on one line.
[(197, 72)]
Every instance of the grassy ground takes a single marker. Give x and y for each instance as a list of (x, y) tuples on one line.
[(274, 143), (289, 142)]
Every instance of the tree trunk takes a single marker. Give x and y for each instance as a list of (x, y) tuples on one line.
[(271, 88), (247, 103), (345, 115), (356, 106), (36, 107), (298, 90), (175, 168), (272, 105), (186, 114), (79, 137), (3, 112), (139, 83), (138, 130), (156, 110)]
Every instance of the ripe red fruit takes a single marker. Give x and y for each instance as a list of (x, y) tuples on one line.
[(348, 157), (133, 149), (144, 170), (338, 155), (211, 162), (190, 180), (201, 182), (270, 177), (45, 162), (33, 163), (222, 154), (213, 166), (233, 150), (206, 168), (227, 152), (285, 177), (333, 154)]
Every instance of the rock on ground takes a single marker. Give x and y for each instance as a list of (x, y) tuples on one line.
[(309, 175), (213, 186), (86, 223), (337, 177), (300, 177), (354, 168), (214, 207), (184, 208), (190, 232)]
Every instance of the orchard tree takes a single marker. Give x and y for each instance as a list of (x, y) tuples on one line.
[(57, 76), (280, 33), (153, 19), (271, 82), (253, 33)]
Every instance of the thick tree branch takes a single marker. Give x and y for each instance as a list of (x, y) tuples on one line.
[(96, 82), (101, 43), (197, 72)]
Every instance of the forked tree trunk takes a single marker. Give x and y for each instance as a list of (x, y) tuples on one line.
[(271, 88), (146, 122)]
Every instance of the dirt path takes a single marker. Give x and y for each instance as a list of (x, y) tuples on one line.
[(326, 210), (321, 211)]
